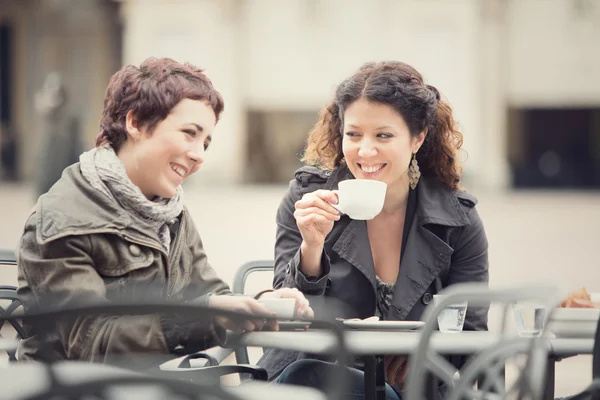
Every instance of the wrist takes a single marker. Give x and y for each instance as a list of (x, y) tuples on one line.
[(309, 248), (310, 259)]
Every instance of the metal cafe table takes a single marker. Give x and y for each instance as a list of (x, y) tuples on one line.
[(370, 343)]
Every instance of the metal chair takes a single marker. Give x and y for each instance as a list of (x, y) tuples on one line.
[(592, 392), (215, 356), (9, 293), (10, 303), (7, 256), (87, 382), (239, 287), (181, 368), (486, 368), (79, 380)]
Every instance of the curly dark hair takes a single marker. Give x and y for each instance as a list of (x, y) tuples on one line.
[(402, 87), (151, 91)]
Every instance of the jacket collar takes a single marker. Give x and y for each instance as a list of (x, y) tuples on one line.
[(438, 204), (74, 207)]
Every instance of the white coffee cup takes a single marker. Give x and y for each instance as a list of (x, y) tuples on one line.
[(282, 308), (361, 198)]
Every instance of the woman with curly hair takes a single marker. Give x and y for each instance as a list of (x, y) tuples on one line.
[(384, 124)]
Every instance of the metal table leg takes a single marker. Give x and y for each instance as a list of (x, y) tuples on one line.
[(432, 387), (550, 378), (374, 378)]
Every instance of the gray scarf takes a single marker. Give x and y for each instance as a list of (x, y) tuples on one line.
[(106, 173)]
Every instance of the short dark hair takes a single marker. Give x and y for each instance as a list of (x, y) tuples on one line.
[(151, 91)]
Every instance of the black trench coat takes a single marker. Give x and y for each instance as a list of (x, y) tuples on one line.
[(446, 244)]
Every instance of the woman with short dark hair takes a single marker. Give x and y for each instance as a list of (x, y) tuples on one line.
[(114, 227)]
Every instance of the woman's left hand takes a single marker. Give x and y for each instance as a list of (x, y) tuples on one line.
[(302, 310), (396, 369)]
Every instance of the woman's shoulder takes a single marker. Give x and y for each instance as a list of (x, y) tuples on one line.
[(309, 174), (73, 206), (441, 204), (465, 198), (433, 188), (307, 179)]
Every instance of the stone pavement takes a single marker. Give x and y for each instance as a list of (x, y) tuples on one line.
[(534, 236)]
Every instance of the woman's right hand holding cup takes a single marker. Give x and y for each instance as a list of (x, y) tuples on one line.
[(315, 217)]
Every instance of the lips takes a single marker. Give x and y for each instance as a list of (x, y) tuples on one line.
[(179, 169), (371, 170)]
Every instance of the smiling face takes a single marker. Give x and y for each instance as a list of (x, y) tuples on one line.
[(377, 143), (159, 161)]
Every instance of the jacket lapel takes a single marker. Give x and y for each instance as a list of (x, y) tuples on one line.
[(353, 246), (424, 258), (426, 255)]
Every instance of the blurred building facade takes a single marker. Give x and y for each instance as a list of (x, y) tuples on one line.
[(77, 41), (523, 76)]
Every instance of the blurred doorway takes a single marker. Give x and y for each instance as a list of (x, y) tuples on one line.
[(275, 143), (8, 138), (555, 147)]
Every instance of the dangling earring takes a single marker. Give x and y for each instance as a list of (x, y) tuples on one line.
[(413, 172)]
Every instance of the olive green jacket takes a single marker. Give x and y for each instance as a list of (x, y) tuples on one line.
[(81, 247)]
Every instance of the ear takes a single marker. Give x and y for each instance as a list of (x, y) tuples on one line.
[(131, 126), (418, 140)]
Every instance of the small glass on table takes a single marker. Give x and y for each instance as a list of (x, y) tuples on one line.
[(530, 318), (452, 318)]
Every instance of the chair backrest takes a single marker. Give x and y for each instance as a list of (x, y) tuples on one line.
[(239, 286), (245, 270), (596, 358), (592, 392), (8, 267), (78, 380), (487, 366), (8, 257), (9, 304)]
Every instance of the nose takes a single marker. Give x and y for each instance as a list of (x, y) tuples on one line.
[(196, 154), (367, 149)]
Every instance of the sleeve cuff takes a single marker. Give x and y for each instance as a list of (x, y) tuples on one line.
[(308, 284), (183, 334)]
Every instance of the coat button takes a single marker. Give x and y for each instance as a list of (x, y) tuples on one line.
[(426, 299), (134, 250)]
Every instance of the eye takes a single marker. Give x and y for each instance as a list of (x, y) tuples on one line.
[(190, 132), (351, 134), (206, 145), (385, 135)]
